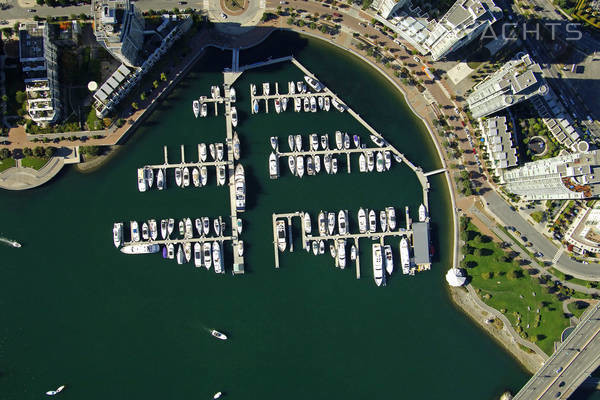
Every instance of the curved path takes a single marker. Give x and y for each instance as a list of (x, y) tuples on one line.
[(27, 178), (507, 324)]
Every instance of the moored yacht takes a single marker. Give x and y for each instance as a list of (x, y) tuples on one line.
[(298, 140), (341, 253), (334, 165), (277, 106), (281, 235), (327, 163), (196, 108), (274, 142), (326, 104), (186, 177), (297, 104), (320, 102), (170, 227), (372, 221), (377, 264), (292, 164), (232, 96), (310, 167), (317, 163), (331, 222), (324, 142), (314, 141), (204, 110), (313, 83), (198, 225), (321, 247), (160, 179), (389, 259), (379, 165), (370, 161), (307, 223), (236, 146), (205, 226), (234, 117), (217, 255), (170, 251), (387, 156), (213, 151), (313, 104), (291, 88), (343, 222), (217, 226), (240, 188), (187, 250), (221, 175), (118, 234), (339, 140), (291, 143), (383, 220), (203, 153), (255, 106), (163, 228), (362, 162), (207, 254), (306, 104), (203, 175), (315, 247), (153, 229), (266, 88), (322, 223), (422, 213), (346, 141), (284, 103), (180, 256), (149, 175), (341, 107), (181, 228), (300, 166), (196, 176), (141, 180), (356, 140), (378, 141), (362, 220), (140, 249), (145, 231), (197, 254), (273, 166), (404, 256), (391, 217), (189, 228)]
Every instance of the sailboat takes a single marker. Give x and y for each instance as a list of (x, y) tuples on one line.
[(160, 179), (291, 142), (56, 391)]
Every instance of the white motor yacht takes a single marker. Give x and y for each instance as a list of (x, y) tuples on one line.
[(266, 88), (322, 223), (389, 259), (141, 180), (196, 176), (313, 83), (274, 142), (422, 213), (160, 179), (326, 104), (346, 141), (221, 175), (362, 220), (334, 165), (178, 176), (140, 249), (234, 117), (232, 96), (356, 140), (163, 228), (203, 153), (189, 228), (310, 166), (255, 106), (307, 223), (218, 335), (391, 217), (205, 226), (314, 141), (203, 175), (145, 231), (170, 227), (284, 103), (297, 104), (377, 264), (341, 253), (182, 228), (219, 149), (298, 140), (362, 162), (327, 163), (204, 110), (378, 141), (324, 142), (277, 106), (332, 250), (217, 226), (343, 222), (180, 255), (240, 188), (186, 177), (370, 161), (387, 156), (197, 254), (292, 164), (118, 234), (383, 220), (339, 140), (291, 88), (170, 251), (56, 391), (313, 104), (196, 108), (321, 247), (153, 229), (341, 107), (207, 255), (380, 164), (273, 166), (317, 163), (281, 234), (306, 104), (187, 250), (315, 247), (353, 252), (217, 255), (213, 151), (404, 256), (372, 221), (320, 102), (300, 166), (331, 222), (198, 225)]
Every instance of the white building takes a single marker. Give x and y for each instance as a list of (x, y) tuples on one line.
[(500, 148), (570, 176), (39, 59), (516, 81), (464, 21), (119, 27), (386, 8)]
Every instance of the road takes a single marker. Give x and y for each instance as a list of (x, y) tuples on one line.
[(576, 358)]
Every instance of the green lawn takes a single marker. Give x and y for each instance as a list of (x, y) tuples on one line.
[(575, 310), (34, 162), (7, 163), (569, 278), (518, 298)]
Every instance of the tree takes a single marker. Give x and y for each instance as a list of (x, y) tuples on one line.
[(478, 253), (40, 2), (143, 96), (27, 152), (4, 98), (487, 275), (49, 152), (20, 97), (290, 21), (38, 151), (155, 84), (4, 153), (134, 105), (312, 25), (7, 31), (163, 77)]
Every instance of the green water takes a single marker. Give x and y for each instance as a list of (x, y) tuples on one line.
[(75, 311)]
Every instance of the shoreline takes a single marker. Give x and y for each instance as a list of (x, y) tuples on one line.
[(98, 162), (459, 297)]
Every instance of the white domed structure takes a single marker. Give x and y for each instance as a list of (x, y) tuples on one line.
[(456, 277)]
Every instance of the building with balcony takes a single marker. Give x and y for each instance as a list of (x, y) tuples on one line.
[(119, 27), (516, 81), (386, 8), (39, 59), (499, 143), (570, 176), (465, 21)]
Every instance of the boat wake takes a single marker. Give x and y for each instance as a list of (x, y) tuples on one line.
[(12, 243)]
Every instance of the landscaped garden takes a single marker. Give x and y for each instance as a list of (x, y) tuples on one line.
[(530, 301)]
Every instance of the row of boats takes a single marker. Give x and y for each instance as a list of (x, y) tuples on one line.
[(150, 229), (308, 103), (198, 176), (200, 106)]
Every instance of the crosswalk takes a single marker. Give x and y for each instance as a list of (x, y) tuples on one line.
[(557, 256)]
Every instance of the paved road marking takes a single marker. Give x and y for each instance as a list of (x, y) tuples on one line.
[(557, 255)]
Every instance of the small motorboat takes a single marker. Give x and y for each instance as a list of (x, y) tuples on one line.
[(203, 175), (240, 248), (198, 224), (356, 140), (327, 163), (255, 106), (218, 334), (204, 110), (164, 252), (196, 176), (232, 96), (339, 140), (178, 175), (284, 102), (277, 106), (274, 142), (196, 107), (321, 247), (346, 141), (56, 391), (298, 140), (334, 165), (239, 225), (327, 105), (387, 156), (315, 247), (153, 229), (218, 395), (292, 164), (203, 153), (170, 251), (160, 179), (186, 177), (236, 146), (291, 143), (320, 102), (170, 226), (145, 231)]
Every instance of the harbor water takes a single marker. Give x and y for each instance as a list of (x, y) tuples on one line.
[(76, 311)]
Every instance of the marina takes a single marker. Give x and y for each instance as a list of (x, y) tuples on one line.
[(410, 242)]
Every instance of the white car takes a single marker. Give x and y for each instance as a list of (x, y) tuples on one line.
[(223, 15), (417, 59)]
